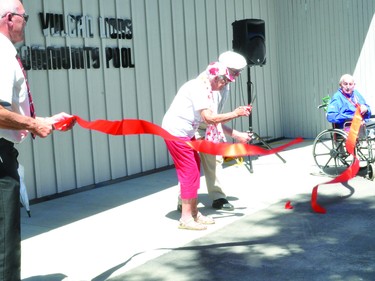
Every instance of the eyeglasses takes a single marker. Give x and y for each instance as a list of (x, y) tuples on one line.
[(348, 84), (25, 16), (224, 79), (234, 72)]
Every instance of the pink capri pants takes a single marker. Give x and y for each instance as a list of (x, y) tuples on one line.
[(187, 163)]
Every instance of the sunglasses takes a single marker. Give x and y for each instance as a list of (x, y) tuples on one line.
[(234, 72), (24, 16), (224, 79)]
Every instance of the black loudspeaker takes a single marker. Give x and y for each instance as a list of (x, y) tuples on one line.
[(249, 40)]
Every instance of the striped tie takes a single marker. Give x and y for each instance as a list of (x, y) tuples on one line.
[(31, 104)]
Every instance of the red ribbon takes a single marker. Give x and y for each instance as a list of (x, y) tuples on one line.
[(136, 126), (352, 170), (288, 205)]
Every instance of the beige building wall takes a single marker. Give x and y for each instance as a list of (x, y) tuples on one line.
[(318, 41), (309, 44)]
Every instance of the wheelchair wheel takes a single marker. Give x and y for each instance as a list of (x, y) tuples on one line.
[(330, 153), (371, 172)]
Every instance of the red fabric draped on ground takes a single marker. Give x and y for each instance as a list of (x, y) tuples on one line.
[(136, 126)]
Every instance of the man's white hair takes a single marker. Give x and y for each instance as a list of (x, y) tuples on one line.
[(8, 6), (346, 77)]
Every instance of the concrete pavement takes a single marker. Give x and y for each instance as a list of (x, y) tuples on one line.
[(128, 230)]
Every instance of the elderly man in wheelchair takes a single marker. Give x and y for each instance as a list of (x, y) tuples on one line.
[(343, 104), (329, 148)]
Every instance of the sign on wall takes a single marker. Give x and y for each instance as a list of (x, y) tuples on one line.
[(54, 57)]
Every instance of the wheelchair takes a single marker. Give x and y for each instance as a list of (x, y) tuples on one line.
[(331, 156)]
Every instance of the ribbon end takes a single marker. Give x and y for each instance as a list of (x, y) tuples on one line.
[(318, 209), (288, 205)]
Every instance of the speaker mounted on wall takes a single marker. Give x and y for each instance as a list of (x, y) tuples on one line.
[(249, 40)]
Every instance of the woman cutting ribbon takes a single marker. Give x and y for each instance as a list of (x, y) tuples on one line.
[(194, 103)]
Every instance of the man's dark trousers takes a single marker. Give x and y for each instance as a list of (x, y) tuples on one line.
[(10, 229)]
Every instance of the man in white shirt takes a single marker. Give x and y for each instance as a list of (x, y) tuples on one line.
[(17, 119)]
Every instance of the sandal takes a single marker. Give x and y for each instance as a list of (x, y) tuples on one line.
[(203, 219), (191, 224)]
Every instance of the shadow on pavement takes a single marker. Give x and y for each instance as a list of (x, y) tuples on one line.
[(277, 244)]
